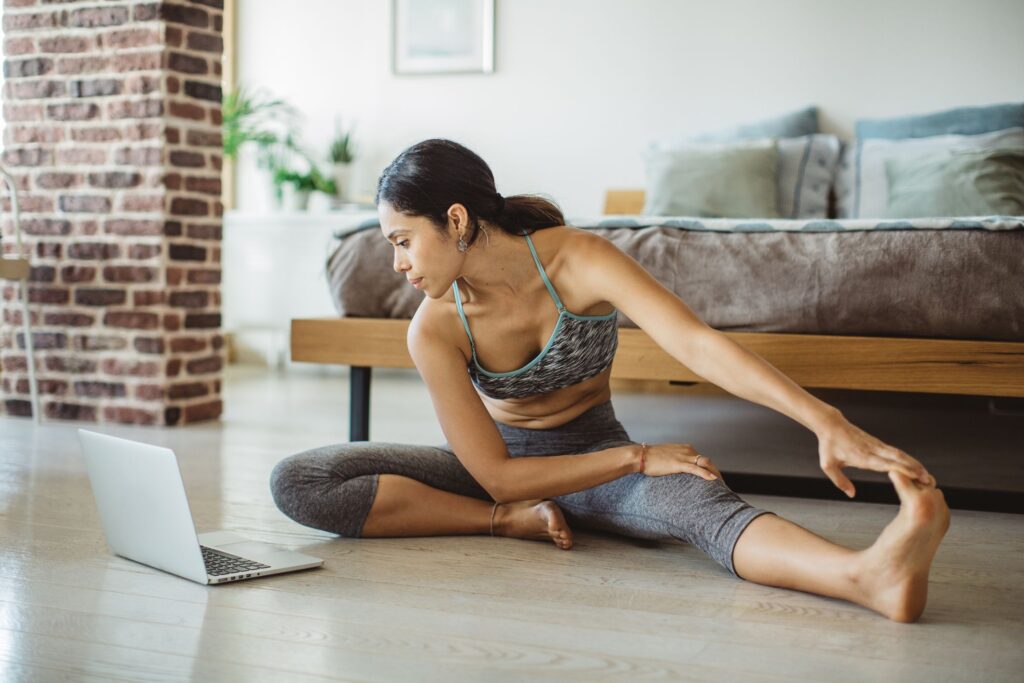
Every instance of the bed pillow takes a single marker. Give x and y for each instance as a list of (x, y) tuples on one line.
[(960, 121), (735, 180), (793, 125), (806, 169), (957, 183), (807, 166), (861, 184)]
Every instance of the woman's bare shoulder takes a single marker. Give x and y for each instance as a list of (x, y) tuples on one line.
[(437, 322), (564, 241), (574, 248)]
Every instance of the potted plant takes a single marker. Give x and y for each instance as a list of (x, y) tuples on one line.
[(249, 116), (254, 117), (295, 188), (341, 154)]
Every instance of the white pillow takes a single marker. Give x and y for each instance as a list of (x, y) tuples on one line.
[(807, 165), (866, 194)]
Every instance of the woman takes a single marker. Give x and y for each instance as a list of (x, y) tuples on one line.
[(528, 305)]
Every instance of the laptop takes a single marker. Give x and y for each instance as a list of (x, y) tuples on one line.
[(146, 517)]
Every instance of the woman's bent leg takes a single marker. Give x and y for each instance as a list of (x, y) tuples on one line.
[(364, 489), (406, 507), (333, 488)]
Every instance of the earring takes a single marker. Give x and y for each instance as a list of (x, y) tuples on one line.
[(462, 246)]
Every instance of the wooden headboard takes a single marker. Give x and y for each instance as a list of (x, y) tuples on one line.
[(624, 202)]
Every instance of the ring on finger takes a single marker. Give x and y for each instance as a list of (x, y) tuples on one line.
[(697, 459)]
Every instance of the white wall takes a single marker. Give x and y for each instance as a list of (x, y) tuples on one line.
[(581, 86)]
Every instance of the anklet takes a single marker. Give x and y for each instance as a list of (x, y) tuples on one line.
[(493, 510)]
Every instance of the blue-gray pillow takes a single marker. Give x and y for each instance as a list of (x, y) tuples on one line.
[(793, 125), (960, 121)]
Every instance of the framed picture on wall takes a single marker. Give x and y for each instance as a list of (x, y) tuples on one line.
[(442, 36)]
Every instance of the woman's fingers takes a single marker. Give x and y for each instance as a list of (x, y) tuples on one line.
[(920, 473), (908, 465), (705, 462), (883, 464), (705, 469), (840, 480)]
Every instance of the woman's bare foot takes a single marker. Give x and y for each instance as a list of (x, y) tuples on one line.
[(536, 520), (891, 576)]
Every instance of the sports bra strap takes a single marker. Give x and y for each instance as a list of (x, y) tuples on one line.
[(465, 323), (544, 276)]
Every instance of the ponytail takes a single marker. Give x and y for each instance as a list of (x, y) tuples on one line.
[(427, 178)]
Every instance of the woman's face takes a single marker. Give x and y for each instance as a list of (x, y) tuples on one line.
[(421, 253)]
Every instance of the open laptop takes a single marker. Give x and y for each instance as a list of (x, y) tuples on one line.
[(146, 517)]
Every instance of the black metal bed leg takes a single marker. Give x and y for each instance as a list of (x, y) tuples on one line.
[(359, 404)]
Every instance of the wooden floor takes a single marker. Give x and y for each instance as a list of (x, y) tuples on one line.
[(452, 608)]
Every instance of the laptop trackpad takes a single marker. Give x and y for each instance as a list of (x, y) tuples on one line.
[(238, 545)]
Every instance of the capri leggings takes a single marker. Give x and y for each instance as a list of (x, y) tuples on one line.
[(332, 488)]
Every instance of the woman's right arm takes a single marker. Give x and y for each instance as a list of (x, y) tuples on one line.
[(479, 446)]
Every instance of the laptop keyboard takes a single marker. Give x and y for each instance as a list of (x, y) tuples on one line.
[(220, 563)]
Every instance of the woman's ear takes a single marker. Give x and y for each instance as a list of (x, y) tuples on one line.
[(458, 216)]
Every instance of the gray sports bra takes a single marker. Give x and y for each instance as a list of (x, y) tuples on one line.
[(580, 347)]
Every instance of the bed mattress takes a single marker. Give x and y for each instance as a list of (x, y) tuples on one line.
[(937, 279)]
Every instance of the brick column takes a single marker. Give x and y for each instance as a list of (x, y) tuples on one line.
[(113, 134)]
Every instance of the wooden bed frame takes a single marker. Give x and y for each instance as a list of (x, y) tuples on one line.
[(942, 366)]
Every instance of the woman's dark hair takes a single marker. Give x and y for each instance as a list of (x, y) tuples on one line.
[(430, 176)]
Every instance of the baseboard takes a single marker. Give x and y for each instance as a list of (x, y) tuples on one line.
[(870, 492)]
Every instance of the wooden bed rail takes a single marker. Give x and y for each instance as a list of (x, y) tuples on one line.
[(941, 366)]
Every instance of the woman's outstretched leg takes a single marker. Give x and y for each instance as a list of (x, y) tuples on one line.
[(890, 577)]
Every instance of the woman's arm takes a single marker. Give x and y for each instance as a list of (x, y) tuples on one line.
[(478, 444), (548, 476), (712, 355), (743, 373)]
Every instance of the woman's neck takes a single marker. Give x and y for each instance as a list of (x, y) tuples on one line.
[(497, 268)]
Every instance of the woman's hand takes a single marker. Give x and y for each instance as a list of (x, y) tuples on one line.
[(677, 458), (843, 444)]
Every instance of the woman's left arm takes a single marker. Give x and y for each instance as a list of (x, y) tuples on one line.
[(712, 355)]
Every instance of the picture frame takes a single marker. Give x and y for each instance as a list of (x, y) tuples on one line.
[(442, 36)]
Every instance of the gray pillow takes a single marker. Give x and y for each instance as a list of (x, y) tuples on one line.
[(960, 121), (736, 180), (957, 183), (807, 166)]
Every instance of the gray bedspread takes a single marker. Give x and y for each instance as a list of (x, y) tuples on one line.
[(956, 284)]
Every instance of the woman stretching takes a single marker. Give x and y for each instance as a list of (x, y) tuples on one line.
[(529, 306)]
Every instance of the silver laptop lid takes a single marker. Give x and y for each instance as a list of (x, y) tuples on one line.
[(141, 499)]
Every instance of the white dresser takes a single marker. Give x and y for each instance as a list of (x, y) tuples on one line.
[(273, 271)]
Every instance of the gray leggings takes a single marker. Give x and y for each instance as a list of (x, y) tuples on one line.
[(332, 488)]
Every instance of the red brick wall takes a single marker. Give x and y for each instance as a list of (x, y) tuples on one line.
[(112, 116)]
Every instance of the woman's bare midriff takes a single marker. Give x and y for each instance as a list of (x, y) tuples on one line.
[(553, 409)]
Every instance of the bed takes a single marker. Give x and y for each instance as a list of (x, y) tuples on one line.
[(931, 306)]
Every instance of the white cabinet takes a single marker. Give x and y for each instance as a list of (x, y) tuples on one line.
[(273, 271)]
